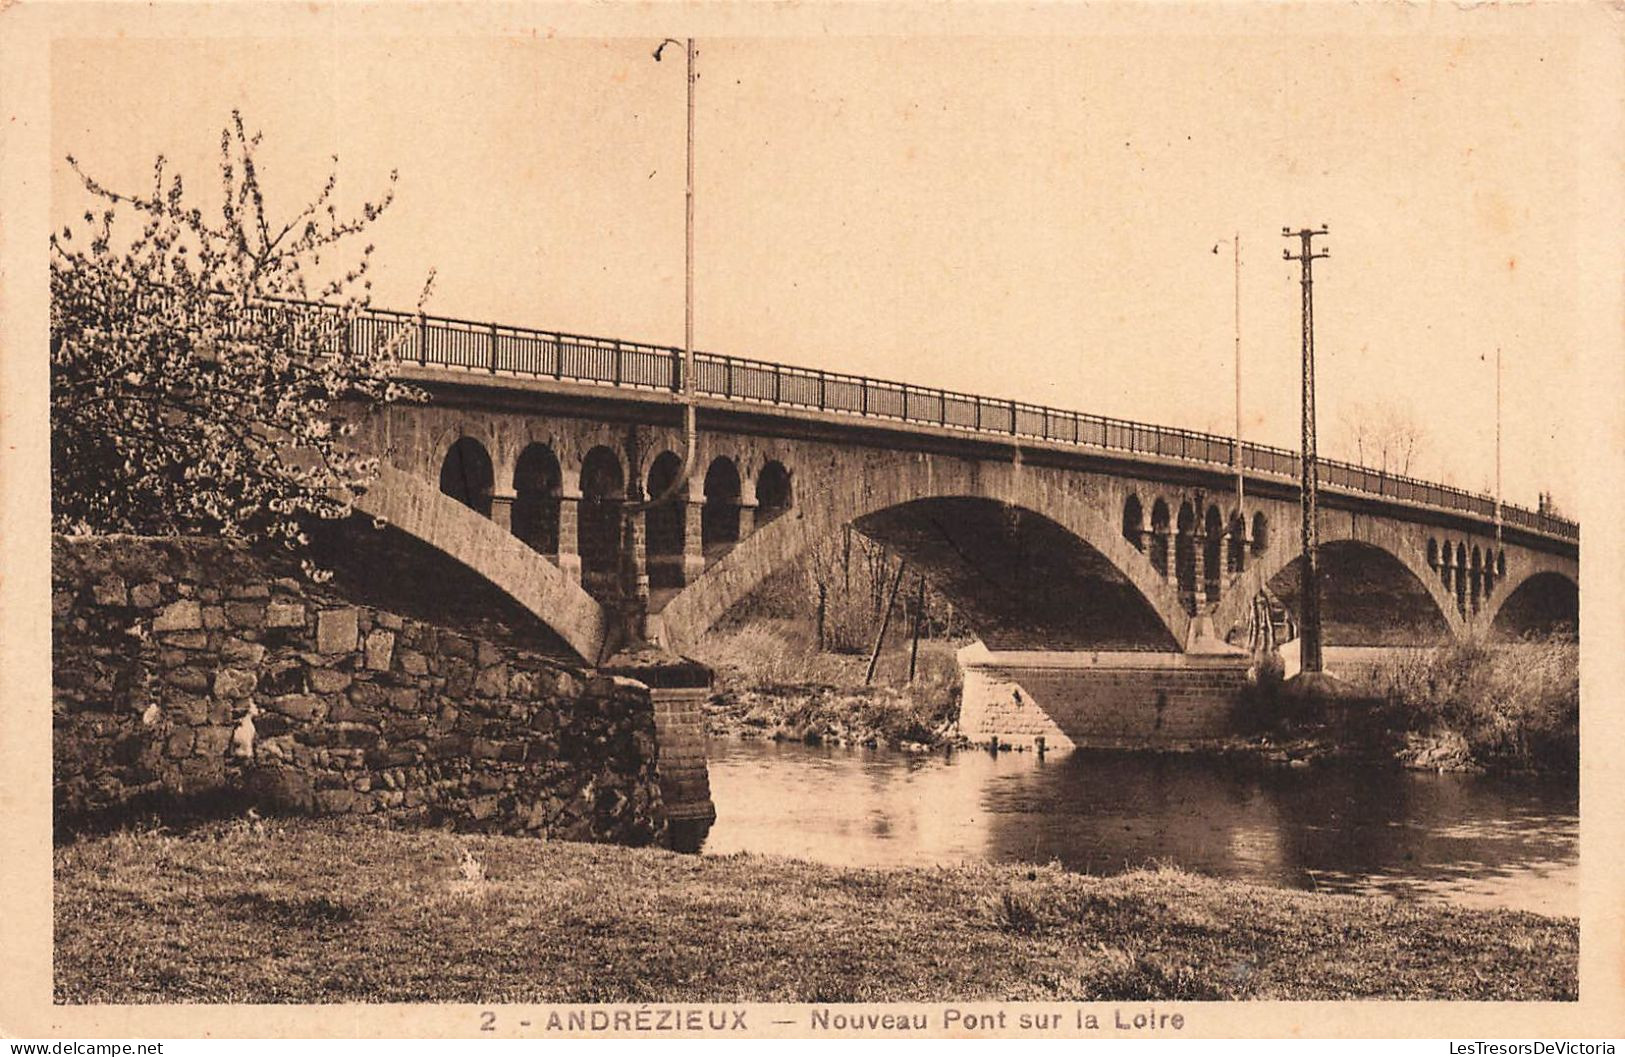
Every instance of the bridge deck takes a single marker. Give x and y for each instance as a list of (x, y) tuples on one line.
[(497, 349)]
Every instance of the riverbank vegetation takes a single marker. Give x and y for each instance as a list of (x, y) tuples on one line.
[(793, 661), (346, 911), (1474, 704), (1497, 705)]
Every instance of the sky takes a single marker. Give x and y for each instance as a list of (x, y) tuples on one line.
[(1021, 217)]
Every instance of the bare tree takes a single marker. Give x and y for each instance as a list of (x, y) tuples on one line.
[(1386, 436)]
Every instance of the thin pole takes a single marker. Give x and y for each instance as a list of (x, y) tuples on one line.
[(1498, 445), (1309, 603), (885, 622), (688, 232), (919, 617), (1241, 507)]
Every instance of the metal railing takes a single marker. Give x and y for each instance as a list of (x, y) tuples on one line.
[(440, 341)]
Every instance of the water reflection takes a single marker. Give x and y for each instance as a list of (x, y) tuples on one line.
[(1471, 840)]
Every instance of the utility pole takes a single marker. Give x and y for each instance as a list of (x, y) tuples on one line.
[(1309, 602)]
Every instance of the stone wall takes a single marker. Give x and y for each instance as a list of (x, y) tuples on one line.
[(1123, 700), (190, 671)]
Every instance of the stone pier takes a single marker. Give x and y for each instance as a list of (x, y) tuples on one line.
[(1117, 699)]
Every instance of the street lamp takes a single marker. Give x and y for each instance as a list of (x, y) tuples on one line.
[(637, 614), (1235, 446)]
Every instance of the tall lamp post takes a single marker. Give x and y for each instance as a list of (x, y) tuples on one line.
[(682, 375), (1235, 447)]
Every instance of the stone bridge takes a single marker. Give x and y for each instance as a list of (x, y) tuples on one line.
[(1066, 539)]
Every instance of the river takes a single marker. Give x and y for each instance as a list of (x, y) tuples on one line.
[(1471, 840)]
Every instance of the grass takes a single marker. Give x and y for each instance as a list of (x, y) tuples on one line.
[(343, 911)]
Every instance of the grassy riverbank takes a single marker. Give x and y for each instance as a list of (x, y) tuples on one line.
[(303, 911)]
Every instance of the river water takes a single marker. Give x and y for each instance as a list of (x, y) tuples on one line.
[(1470, 840)]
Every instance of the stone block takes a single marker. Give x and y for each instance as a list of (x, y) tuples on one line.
[(456, 646), (284, 615), (390, 621), (185, 640), (250, 591), (281, 787), (342, 711), (110, 591), (179, 743), (242, 651), (212, 741), (369, 695), (329, 680), (336, 630), (146, 596), (335, 801), (403, 698), (188, 678), (214, 617), (380, 649), (233, 683), (185, 615), (285, 677), (189, 707), (492, 681), (414, 663), (302, 707), (245, 614)]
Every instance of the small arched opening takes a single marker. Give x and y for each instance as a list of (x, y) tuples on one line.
[(719, 518), (1134, 522), (603, 490), (467, 476), (773, 495), (1261, 533), (1476, 579), (1213, 553), (1433, 553), (537, 485), (1185, 555), (1159, 537), (1236, 544), (664, 525), (1461, 577)]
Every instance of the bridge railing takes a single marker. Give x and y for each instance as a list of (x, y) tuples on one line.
[(460, 344)]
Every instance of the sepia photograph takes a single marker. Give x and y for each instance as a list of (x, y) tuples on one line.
[(761, 522)]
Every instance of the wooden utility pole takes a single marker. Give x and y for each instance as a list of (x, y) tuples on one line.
[(885, 622), (1309, 651), (919, 616)]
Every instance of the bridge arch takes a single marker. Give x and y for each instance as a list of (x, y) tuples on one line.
[(417, 508), (468, 475), (897, 501), (1543, 601), (1231, 613)]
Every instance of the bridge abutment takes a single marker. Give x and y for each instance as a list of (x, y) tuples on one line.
[(1123, 699)]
